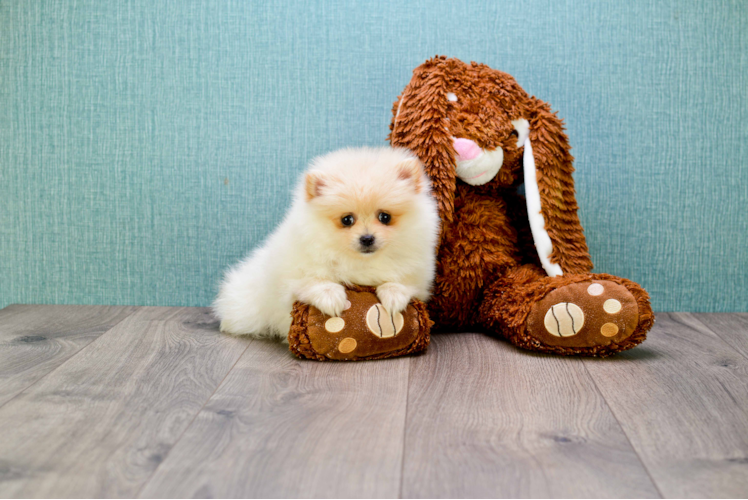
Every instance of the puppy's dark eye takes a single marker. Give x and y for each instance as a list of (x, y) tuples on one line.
[(385, 218), (347, 220), (513, 133)]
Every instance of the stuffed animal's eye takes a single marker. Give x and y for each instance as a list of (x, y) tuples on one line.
[(385, 218), (347, 220), (513, 133)]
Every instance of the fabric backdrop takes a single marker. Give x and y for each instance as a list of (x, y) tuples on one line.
[(146, 145)]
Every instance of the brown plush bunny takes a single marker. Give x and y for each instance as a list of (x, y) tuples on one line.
[(511, 265)]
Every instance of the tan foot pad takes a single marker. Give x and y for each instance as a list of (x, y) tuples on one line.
[(365, 330), (587, 314)]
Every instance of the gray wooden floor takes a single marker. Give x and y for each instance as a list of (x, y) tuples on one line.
[(99, 401)]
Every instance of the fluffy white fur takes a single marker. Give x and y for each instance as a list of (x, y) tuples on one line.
[(312, 253)]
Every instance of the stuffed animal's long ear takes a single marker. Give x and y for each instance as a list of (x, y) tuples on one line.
[(548, 148), (419, 124)]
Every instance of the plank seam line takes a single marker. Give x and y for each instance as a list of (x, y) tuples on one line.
[(612, 412), (719, 337), (715, 332), (198, 412), (68, 360), (405, 430)]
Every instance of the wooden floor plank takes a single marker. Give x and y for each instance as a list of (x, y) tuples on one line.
[(99, 425), (36, 339), (488, 420), (682, 399), (281, 427), (730, 327)]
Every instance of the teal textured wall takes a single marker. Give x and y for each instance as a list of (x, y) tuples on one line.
[(146, 145)]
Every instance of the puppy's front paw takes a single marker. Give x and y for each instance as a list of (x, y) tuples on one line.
[(329, 298), (394, 297)]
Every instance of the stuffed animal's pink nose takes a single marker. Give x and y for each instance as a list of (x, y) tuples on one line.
[(466, 149)]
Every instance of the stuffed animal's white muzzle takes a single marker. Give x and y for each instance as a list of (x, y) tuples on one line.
[(476, 166)]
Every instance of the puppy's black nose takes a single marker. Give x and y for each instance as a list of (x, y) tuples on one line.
[(367, 240)]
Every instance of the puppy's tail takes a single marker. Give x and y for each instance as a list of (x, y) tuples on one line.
[(244, 305)]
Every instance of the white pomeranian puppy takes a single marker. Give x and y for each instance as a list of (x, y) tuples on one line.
[(360, 216)]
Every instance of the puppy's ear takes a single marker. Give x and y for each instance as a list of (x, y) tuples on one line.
[(412, 170), (314, 182)]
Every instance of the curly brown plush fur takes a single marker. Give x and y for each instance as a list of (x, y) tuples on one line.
[(489, 276)]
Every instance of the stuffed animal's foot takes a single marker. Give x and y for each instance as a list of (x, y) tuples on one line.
[(583, 315), (587, 314), (364, 330)]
